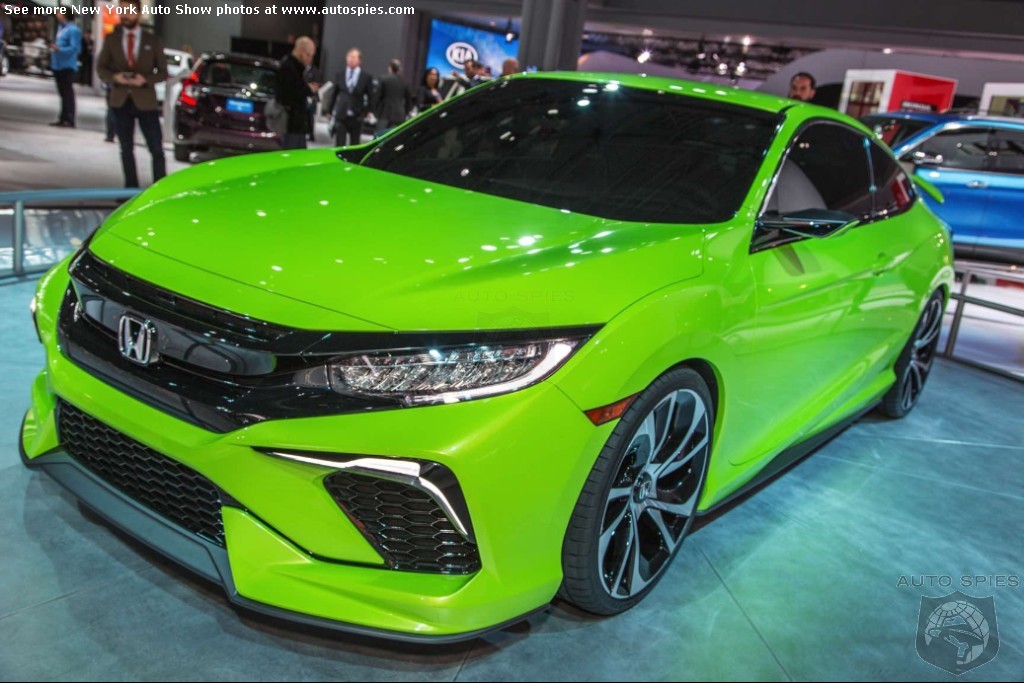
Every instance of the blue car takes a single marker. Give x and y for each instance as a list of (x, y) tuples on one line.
[(977, 162)]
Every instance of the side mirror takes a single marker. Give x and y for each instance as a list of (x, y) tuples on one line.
[(818, 223)]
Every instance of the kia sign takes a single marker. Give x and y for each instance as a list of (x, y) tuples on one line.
[(451, 45), (459, 53)]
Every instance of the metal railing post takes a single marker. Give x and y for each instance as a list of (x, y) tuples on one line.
[(954, 328), (18, 254), (33, 198)]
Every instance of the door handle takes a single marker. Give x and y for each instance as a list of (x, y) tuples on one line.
[(977, 184)]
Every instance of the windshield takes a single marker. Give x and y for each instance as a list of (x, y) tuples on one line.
[(604, 150), (257, 79)]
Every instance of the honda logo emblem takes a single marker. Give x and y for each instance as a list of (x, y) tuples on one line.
[(135, 339)]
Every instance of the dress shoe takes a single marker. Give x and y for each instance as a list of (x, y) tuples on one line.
[(58, 124)]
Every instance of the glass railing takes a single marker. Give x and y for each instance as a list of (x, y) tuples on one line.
[(984, 324), (38, 228)]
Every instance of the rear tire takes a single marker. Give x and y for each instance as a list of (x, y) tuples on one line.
[(182, 153), (639, 501), (915, 362)]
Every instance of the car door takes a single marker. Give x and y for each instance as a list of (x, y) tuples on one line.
[(808, 344), (899, 238), (955, 160), (1003, 224)]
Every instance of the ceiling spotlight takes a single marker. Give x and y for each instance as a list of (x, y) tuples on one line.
[(723, 67), (887, 51), (510, 35), (644, 56), (746, 41), (741, 68)]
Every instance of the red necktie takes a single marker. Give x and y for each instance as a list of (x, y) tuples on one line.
[(131, 50)]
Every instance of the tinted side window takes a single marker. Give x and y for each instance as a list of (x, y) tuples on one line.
[(963, 149), (893, 189), (1007, 152), (826, 169)]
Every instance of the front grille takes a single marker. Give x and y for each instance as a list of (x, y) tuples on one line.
[(404, 523), (221, 370), (165, 486)]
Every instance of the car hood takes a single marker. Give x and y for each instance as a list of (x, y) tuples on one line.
[(370, 249)]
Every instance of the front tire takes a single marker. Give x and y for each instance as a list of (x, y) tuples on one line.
[(915, 362), (640, 498)]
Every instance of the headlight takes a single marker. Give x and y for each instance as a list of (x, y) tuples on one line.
[(450, 374)]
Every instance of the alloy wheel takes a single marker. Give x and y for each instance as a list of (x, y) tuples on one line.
[(651, 502), (922, 354)]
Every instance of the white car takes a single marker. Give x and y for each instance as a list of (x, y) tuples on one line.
[(179, 64)]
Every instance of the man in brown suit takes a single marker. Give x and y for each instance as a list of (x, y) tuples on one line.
[(132, 61)]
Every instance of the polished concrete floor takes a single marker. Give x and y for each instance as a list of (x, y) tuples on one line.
[(797, 582), (34, 156)]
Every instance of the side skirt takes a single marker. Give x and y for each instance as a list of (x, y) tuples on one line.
[(790, 457)]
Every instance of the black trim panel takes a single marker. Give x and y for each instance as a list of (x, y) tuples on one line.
[(250, 333), (223, 371)]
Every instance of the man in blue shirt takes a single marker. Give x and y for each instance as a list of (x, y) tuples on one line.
[(64, 64)]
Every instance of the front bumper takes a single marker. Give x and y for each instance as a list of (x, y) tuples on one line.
[(520, 459), (201, 556)]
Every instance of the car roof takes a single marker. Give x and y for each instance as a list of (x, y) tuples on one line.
[(725, 94), (239, 58), (949, 117)]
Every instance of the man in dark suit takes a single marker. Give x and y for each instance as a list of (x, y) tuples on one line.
[(351, 99), (395, 98), (132, 62), (293, 92)]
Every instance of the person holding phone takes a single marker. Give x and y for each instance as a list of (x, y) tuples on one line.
[(133, 62)]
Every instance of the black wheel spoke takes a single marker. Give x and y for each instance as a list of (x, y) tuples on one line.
[(632, 549), (609, 532), (668, 540), (684, 509), (681, 458)]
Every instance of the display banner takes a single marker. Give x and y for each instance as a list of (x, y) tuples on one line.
[(452, 44)]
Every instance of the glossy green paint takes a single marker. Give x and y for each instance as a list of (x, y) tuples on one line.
[(926, 185), (798, 338), (387, 251)]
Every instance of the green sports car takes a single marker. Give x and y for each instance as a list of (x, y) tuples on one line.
[(506, 352)]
